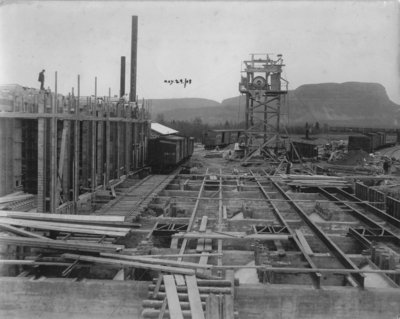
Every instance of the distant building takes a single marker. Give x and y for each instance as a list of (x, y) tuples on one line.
[(158, 130)]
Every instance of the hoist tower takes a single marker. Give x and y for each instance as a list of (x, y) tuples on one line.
[(265, 89)]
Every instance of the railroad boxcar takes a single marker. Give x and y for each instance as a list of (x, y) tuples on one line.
[(167, 152), (360, 142), (391, 139), (220, 138), (375, 141), (382, 138), (304, 150)]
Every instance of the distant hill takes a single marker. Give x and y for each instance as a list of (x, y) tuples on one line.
[(350, 103), (164, 105)]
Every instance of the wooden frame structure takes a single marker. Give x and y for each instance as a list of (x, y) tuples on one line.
[(61, 147), (264, 88)]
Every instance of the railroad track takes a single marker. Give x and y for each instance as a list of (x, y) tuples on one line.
[(391, 152), (372, 219), (299, 224)]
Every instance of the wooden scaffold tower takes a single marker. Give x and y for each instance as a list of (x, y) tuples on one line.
[(264, 88)]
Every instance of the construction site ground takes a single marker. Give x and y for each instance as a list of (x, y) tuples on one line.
[(225, 241)]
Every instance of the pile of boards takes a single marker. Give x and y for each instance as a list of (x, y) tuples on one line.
[(315, 181), (17, 201), (84, 233)]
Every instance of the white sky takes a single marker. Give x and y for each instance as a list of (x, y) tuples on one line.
[(327, 41)]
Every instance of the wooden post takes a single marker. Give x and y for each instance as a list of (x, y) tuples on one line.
[(53, 154), (42, 151), (128, 140), (94, 139), (76, 151), (108, 147), (100, 142)]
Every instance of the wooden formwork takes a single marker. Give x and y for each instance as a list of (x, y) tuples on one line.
[(60, 147), (375, 197)]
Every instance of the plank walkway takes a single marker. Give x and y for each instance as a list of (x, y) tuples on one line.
[(132, 201)]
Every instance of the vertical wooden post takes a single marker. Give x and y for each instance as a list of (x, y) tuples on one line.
[(108, 146), (94, 138), (41, 177), (53, 154), (100, 135), (76, 150), (119, 144), (128, 140)]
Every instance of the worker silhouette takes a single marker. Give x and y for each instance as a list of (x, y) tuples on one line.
[(41, 80)]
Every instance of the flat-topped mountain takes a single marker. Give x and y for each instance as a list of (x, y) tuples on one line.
[(350, 103)]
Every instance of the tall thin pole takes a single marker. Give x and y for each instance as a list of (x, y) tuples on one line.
[(122, 80), (53, 154), (76, 149), (134, 42), (94, 139)]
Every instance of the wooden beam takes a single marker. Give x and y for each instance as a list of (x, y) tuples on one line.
[(120, 275), (232, 236), (120, 263), (303, 242), (174, 307), (174, 263), (163, 308), (228, 307), (21, 232), (158, 284), (58, 244), (54, 197), (41, 159), (212, 307), (194, 298)]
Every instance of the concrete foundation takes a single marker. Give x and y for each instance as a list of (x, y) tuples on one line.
[(287, 302), (60, 298)]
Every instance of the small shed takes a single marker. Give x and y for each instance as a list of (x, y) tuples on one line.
[(158, 130)]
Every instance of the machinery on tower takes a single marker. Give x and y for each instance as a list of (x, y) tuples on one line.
[(265, 89)]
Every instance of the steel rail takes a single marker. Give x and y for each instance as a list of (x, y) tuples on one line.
[(315, 276), (360, 216), (343, 259)]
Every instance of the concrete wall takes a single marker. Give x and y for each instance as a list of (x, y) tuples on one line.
[(60, 298), (284, 302)]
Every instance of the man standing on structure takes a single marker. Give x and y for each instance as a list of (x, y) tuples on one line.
[(41, 80)]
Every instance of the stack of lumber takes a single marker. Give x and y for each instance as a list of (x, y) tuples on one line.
[(17, 201), (177, 296), (315, 181), (85, 233), (352, 169)]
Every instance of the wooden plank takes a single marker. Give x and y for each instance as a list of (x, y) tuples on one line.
[(304, 242), (212, 308), (231, 235), (120, 275), (180, 280), (109, 261), (158, 284), (204, 258), (174, 307), (71, 228), (58, 244), (194, 298), (163, 308), (21, 232), (28, 215), (228, 307), (203, 224), (157, 261)]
